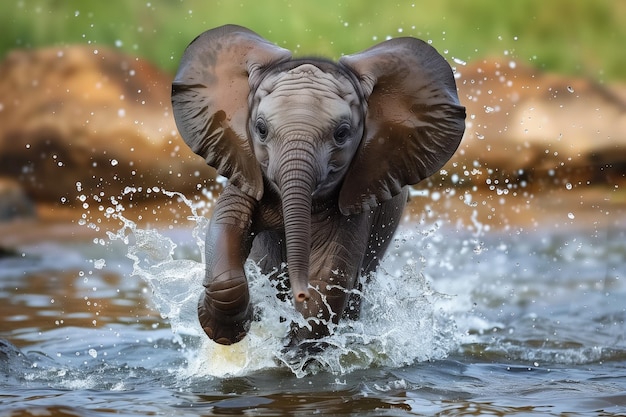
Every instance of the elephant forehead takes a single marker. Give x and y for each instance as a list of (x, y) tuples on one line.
[(309, 86)]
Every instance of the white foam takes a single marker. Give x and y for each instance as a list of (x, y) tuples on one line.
[(401, 321)]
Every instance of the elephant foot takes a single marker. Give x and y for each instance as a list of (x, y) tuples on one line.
[(223, 327), (306, 348), (305, 338), (353, 307), (308, 357)]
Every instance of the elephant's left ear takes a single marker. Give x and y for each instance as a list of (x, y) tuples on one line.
[(414, 121), (210, 100)]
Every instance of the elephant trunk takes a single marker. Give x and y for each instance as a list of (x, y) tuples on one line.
[(296, 183)]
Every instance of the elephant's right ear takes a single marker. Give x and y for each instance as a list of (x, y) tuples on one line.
[(210, 100), (414, 121)]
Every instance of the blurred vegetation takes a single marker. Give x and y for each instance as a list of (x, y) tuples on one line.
[(582, 37)]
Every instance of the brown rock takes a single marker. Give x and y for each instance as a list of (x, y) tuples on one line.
[(526, 125), (93, 116), (14, 203), (100, 118)]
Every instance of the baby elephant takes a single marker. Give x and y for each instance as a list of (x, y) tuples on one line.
[(319, 156)]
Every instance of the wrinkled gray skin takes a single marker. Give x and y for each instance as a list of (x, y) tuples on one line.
[(318, 155)]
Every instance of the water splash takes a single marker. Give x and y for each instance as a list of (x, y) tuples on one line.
[(399, 325), (400, 322)]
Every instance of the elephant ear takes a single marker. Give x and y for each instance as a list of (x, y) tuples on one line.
[(414, 121), (210, 100)]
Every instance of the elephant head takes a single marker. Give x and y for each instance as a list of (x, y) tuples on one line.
[(353, 132)]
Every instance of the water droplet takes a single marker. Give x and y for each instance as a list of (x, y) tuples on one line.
[(93, 353), (570, 215), (459, 61), (568, 186), (99, 263), (570, 88), (114, 162)]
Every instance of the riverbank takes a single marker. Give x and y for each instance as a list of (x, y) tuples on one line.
[(478, 211)]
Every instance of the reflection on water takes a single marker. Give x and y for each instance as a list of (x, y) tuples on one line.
[(468, 315)]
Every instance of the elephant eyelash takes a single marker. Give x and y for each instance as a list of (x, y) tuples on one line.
[(342, 133), (261, 129)]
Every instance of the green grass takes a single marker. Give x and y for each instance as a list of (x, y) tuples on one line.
[(582, 37)]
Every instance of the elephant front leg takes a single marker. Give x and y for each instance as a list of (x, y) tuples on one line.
[(322, 310), (384, 222), (336, 256), (224, 307)]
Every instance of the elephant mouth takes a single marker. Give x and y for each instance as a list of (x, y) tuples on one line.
[(330, 185), (322, 192)]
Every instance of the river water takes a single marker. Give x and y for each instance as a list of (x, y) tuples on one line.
[(482, 307)]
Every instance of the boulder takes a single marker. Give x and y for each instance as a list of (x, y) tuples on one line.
[(85, 120), (14, 203), (536, 127), (90, 120)]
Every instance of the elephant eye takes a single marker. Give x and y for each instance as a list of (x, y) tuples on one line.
[(261, 129), (342, 133)]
